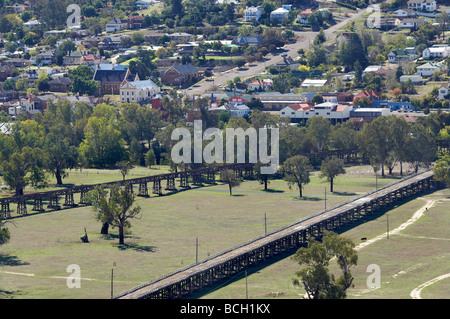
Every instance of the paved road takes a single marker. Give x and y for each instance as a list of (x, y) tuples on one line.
[(304, 39)]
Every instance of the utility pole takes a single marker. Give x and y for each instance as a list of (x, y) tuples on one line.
[(387, 224), (246, 286), (265, 224), (325, 198), (196, 250)]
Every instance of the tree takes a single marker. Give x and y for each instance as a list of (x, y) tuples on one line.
[(103, 145), (331, 168), (229, 177), (442, 169), (150, 158), (315, 277), (319, 130), (125, 167), (296, 171), (118, 210)]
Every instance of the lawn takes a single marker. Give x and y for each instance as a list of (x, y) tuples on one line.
[(413, 256), (42, 246)]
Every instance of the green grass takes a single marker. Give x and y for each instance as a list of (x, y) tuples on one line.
[(415, 255), (163, 240)]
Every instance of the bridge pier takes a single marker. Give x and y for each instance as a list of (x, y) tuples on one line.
[(157, 187), (22, 208), (143, 189), (5, 210), (38, 205)]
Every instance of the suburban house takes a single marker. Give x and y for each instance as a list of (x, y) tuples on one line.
[(444, 92), (111, 43), (237, 100), (260, 85), (279, 14), (311, 82), (287, 63), (277, 101), (252, 13), (92, 59), (335, 113), (153, 37), (405, 13), (409, 23), (44, 58), (239, 110), (178, 74), (115, 25), (60, 84), (248, 41), (17, 62), (110, 79), (31, 24), (436, 51), (302, 17), (415, 79), (136, 22), (18, 8), (422, 5), (372, 68), (6, 71), (180, 37), (36, 103), (371, 95), (73, 58), (138, 91), (361, 116), (428, 69), (401, 55)]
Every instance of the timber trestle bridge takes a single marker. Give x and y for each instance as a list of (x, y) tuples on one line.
[(195, 177), (227, 264)]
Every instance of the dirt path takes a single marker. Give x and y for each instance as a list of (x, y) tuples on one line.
[(419, 213), (415, 293)]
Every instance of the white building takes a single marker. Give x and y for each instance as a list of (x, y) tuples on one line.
[(279, 14), (115, 25), (138, 91), (436, 51), (428, 69), (444, 90), (309, 82), (422, 5), (31, 24), (239, 110), (335, 113), (252, 13)]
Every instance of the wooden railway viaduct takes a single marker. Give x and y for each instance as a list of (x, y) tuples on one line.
[(227, 264)]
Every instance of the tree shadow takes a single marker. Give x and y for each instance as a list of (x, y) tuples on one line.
[(137, 247), (273, 190), (309, 198), (8, 260), (237, 195), (344, 193)]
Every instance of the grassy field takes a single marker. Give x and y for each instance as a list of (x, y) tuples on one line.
[(416, 254), (34, 263)]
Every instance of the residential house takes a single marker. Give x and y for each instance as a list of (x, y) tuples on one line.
[(73, 58), (409, 23), (383, 23), (91, 59), (179, 74), (180, 37), (371, 95), (110, 79), (248, 41), (18, 8), (427, 69), (153, 37), (6, 71), (302, 17), (138, 91), (436, 51), (111, 43), (415, 79), (17, 62), (239, 110), (372, 68), (60, 84), (260, 85), (115, 24), (287, 63), (136, 22), (279, 14), (36, 103), (277, 101), (44, 58), (311, 82), (422, 5), (31, 24), (91, 42), (405, 13), (252, 13), (400, 55), (237, 100), (335, 113), (444, 92)]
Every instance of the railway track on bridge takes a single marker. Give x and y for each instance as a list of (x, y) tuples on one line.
[(214, 269)]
